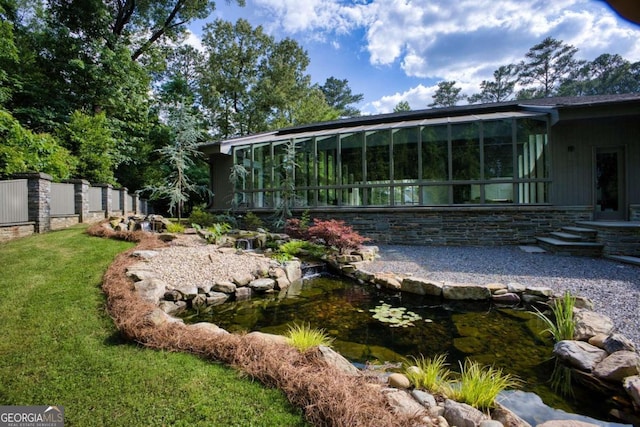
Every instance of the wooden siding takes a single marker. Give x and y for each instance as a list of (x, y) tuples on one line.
[(573, 145)]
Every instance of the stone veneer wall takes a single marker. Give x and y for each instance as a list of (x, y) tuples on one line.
[(618, 238), (478, 226), (64, 221), (15, 231)]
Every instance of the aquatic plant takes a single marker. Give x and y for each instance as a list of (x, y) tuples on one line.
[(429, 374), (396, 317), (562, 326), (304, 337), (479, 386)]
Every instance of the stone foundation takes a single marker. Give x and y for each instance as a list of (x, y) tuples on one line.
[(454, 226)]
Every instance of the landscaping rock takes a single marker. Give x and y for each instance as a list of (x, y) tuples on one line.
[(617, 366), (507, 417), (420, 286), (282, 283), (140, 271), (632, 387), (210, 327), (387, 280), (157, 317), (462, 415), (199, 301), (216, 298), (268, 338), (144, 254), (293, 270), (508, 298), (598, 340), (539, 291), (580, 354), (399, 381), (403, 403), (618, 342), (456, 291), (336, 360), (224, 287), (425, 399), (516, 287), (151, 290), (262, 285), (589, 323), (494, 287), (242, 279), (243, 293), (490, 423)]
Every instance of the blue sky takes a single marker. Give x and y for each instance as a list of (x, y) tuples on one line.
[(398, 50)]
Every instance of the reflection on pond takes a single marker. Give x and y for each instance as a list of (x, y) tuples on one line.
[(360, 317)]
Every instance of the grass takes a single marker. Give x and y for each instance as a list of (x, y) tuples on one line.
[(303, 337), (60, 347), (562, 326), (479, 385), (429, 374)]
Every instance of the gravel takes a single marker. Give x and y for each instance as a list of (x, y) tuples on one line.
[(613, 287)]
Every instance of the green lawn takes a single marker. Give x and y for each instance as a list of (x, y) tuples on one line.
[(59, 347)]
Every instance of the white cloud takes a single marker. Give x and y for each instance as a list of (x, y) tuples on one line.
[(418, 98), (193, 40)]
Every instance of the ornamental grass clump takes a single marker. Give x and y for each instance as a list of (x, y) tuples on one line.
[(479, 386), (563, 325), (429, 374), (303, 337)]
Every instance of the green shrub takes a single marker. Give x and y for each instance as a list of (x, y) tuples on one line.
[(252, 221), (281, 257), (563, 325), (479, 386), (301, 247), (303, 337), (429, 374), (202, 217), (174, 227)]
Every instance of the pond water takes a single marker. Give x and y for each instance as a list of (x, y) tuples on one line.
[(361, 320)]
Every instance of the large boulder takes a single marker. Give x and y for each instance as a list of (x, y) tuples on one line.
[(293, 270), (336, 360), (387, 280), (617, 366), (589, 323), (580, 354), (262, 285), (151, 290), (224, 287), (632, 387), (403, 403), (618, 342), (462, 415)]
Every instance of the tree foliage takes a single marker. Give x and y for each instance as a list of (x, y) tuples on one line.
[(498, 90), (402, 106), (338, 95), (447, 95)]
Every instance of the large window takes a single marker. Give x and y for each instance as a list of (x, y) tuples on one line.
[(480, 162)]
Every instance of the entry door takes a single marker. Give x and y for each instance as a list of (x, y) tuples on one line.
[(610, 188)]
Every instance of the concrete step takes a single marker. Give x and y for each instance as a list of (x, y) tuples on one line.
[(563, 247), (588, 234), (625, 259), (568, 237)]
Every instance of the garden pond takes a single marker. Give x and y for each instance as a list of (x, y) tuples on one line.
[(375, 327)]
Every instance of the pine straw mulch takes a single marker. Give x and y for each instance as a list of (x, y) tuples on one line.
[(327, 396)]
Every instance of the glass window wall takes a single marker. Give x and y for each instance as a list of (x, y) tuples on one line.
[(480, 162)]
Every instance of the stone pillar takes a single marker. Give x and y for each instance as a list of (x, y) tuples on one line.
[(81, 197), (106, 198), (136, 203), (123, 200), (39, 199)]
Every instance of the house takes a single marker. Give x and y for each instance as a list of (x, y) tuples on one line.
[(488, 174)]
